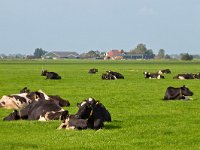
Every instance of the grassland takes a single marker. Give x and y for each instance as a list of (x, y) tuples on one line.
[(141, 119)]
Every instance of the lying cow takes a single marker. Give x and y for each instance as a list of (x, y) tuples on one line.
[(40, 94), (50, 75), (164, 71), (41, 110), (177, 93), (197, 76), (19, 101), (93, 71), (110, 75), (184, 76), (91, 115), (153, 75)]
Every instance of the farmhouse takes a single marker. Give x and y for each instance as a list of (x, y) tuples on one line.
[(114, 54), (61, 55)]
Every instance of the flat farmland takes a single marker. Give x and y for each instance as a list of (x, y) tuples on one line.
[(140, 118)]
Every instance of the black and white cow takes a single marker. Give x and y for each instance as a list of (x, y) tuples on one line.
[(197, 76), (184, 76), (164, 71), (93, 71), (153, 75), (16, 101), (91, 115), (50, 75), (19, 101), (173, 93), (110, 75), (41, 110)]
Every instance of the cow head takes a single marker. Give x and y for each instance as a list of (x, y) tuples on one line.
[(146, 74), (186, 91), (44, 72), (84, 111), (25, 90)]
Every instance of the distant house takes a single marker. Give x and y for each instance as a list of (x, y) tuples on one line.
[(137, 56), (114, 54), (61, 55)]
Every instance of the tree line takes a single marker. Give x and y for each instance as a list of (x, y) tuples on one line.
[(139, 49)]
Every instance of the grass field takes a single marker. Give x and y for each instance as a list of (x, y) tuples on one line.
[(140, 118)]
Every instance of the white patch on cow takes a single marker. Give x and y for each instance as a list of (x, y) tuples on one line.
[(158, 77), (181, 77), (159, 72), (45, 95), (115, 77), (42, 118), (90, 99), (83, 103)]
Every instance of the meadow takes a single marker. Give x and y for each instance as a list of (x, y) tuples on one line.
[(140, 118)]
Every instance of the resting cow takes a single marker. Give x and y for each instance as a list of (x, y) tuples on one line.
[(177, 93), (93, 71), (164, 71), (19, 101), (184, 76), (110, 75), (91, 115), (153, 75), (41, 110), (50, 75)]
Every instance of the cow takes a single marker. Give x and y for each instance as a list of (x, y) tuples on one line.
[(93, 71), (40, 94), (41, 110), (153, 75), (50, 75), (164, 71), (91, 115), (110, 75), (19, 101), (197, 76), (173, 93), (184, 76)]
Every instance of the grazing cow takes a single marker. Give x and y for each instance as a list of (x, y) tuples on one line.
[(184, 76), (110, 75), (177, 93), (91, 115), (93, 71), (153, 75), (164, 71), (41, 110), (50, 75)]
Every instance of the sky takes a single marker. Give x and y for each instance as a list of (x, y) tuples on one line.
[(84, 25)]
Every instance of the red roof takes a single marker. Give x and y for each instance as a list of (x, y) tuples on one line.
[(114, 53)]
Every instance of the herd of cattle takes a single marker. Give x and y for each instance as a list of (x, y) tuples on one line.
[(91, 114), (37, 105)]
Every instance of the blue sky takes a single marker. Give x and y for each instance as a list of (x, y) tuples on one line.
[(83, 25)]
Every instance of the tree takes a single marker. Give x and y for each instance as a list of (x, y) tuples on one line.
[(140, 49), (186, 56), (161, 54), (39, 52)]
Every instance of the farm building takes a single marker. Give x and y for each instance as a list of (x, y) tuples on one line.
[(61, 55), (114, 54)]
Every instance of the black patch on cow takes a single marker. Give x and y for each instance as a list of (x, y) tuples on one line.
[(19, 98)]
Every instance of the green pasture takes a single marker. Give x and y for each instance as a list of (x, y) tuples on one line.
[(140, 118)]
